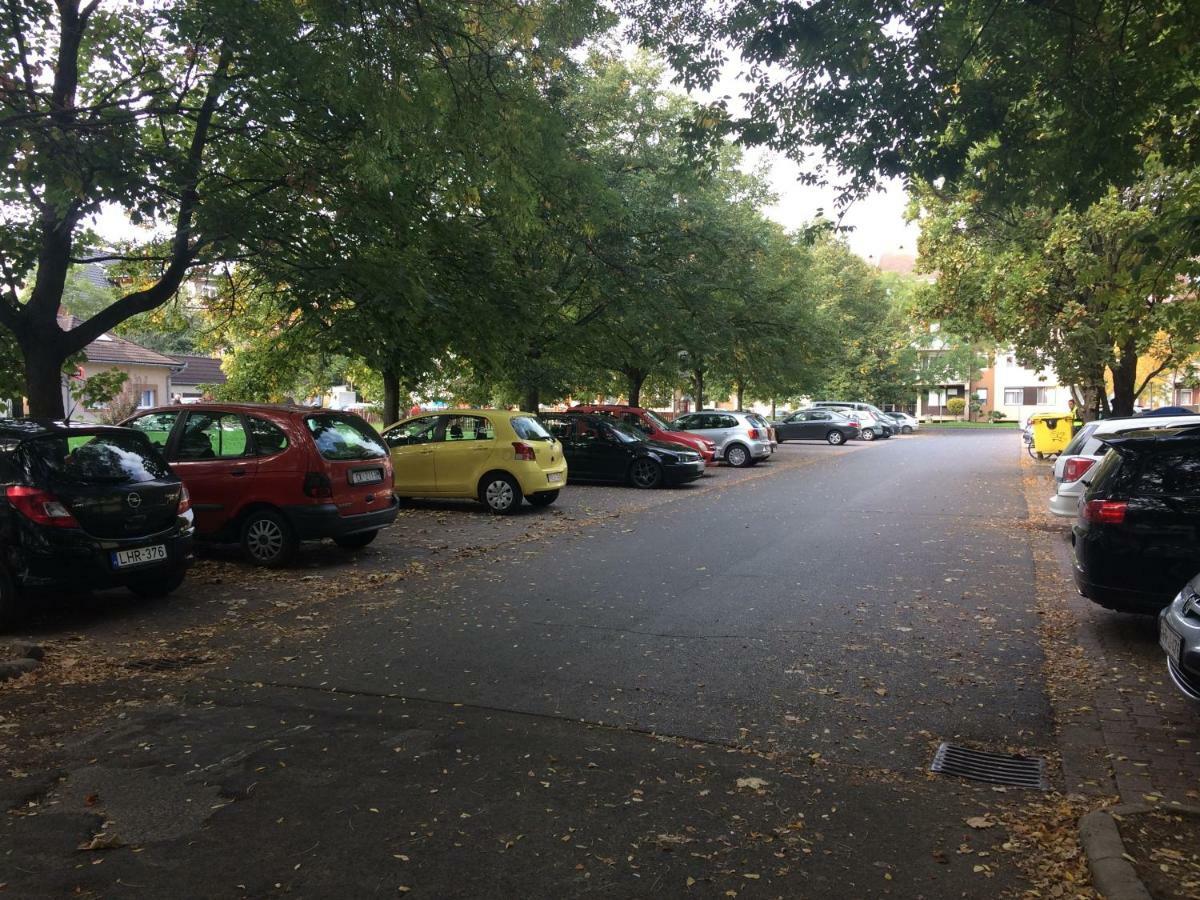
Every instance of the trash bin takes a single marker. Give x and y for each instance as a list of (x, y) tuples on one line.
[(1051, 432)]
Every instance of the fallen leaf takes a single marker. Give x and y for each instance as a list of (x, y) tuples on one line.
[(753, 783)]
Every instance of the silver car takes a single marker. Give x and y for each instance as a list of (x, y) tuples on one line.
[(1179, 637), (742, 439)]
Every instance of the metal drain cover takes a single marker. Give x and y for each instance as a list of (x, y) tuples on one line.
[(994, 768)]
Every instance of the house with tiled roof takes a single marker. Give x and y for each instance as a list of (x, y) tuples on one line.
[(149, 371), (189, 382)]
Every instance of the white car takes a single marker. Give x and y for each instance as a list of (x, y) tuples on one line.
[(908, 424), (1079, 458)]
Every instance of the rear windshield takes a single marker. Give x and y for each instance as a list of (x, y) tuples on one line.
[(529, 429), (1081, 436), (113, 458), (342, 437)]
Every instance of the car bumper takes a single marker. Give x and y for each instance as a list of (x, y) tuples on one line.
[(683, 472), (323, 520), (537, 480), (1065, 505), (761, 449), (1179, 638), (1121, 599), (75, 560)]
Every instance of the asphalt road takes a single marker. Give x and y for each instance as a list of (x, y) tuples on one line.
[(569, 710)]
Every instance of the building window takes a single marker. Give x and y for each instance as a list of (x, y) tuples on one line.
[(935, 398), (1185, 396), (1045, 396), (147, 399), (1013, 396)]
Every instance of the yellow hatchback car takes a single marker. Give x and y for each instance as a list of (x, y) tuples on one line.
[(490, 455)]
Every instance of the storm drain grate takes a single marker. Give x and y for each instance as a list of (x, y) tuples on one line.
[(995, 768)]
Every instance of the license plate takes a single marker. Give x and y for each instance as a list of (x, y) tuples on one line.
[(366, 476), (1169, 641), (139, 556), (554, 477)]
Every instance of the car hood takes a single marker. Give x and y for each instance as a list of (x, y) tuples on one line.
[(696, 441), (667, 449)]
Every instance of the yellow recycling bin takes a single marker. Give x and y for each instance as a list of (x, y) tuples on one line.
[(1051, 432)]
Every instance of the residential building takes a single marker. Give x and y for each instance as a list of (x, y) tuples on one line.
[(149, 372), (196, 373)]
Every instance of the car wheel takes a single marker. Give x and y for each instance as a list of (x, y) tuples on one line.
[(835, 438), (501, 494), (268, 539), (12, 605), (868, 434), (543, 498), (645, 473), (356, 541), (907, 429), (155, 586), (738, 456)]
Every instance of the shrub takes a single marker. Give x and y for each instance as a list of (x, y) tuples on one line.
[(956, 406)]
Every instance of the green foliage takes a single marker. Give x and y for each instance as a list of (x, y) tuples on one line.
[(956, 406), (99, 389)]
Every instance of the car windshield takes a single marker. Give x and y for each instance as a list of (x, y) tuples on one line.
[(659, 421), (625, 434), (342, 437), (528, 428), (112, 458), (1081, 438)]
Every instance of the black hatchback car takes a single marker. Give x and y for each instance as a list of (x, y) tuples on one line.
[(1137, 538), (85, 507), (816, 425), (599, 448)]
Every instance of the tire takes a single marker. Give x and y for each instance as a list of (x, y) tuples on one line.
[(500, 493), (356, 541), (907, 429), (835, 437), (543, 498), (12, 604), (868, 434), (268, 539), (645, 473), (738, 456), (155, 586)]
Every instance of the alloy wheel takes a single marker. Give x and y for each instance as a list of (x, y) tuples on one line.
[(836, 437), (264, 539), (736, 456), (645, 473)]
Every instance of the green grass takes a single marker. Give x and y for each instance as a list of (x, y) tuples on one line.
[(1012, 425)]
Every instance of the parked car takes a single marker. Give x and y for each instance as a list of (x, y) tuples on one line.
[(770, 429), (1135, 537), (908, 424), (270, 477), (1179, 637), (740, 439), (816, 425), (494, 456), (655, 427), (1073, 468), (599, 448), (870, 428), (84, 507)]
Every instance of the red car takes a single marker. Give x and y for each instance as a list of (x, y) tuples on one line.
[(655, 427), (272, 476)]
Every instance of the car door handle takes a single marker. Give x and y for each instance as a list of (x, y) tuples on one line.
[(425, 452), (237, 473)]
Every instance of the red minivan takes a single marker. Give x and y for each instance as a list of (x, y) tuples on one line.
[(273, 476), (655, 427)]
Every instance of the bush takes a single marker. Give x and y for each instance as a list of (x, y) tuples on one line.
[(956, 406), (996, 415)]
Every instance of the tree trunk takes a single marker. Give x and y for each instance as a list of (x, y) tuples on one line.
[(18, 406), (533, 400), (739, 392), (636, 378), (773, 412), (44, 380), (1124, 376), (698, 388), (391, 397)]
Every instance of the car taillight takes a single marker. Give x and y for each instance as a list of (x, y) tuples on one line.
[(317, 485), (523, 451), (185, 500), (1077, 467), (1107, 512), (754, 434), (40, 506)]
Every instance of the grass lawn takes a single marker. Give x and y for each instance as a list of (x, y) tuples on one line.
[(969, 425)]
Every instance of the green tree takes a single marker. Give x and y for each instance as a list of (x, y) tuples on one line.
[(1086, 293)]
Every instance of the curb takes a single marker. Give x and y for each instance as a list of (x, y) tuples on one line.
[(1113, 875)]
